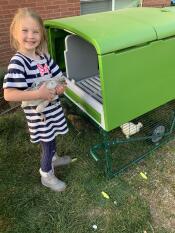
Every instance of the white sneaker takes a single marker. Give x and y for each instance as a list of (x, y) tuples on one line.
[(60, 161), (49, 180)]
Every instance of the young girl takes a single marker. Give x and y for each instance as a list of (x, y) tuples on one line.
[(30, 65)]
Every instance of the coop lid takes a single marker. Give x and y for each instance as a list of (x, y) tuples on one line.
[(116, 30), (161, 20)]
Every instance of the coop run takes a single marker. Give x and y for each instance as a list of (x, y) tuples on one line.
[(120, 72)]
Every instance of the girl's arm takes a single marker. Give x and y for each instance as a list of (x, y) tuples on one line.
[(13, 94)]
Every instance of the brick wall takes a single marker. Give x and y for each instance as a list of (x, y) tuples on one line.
[(156, 3), (46, 8)]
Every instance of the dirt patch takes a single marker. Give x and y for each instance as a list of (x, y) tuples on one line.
[(5, 106), (161, 195), (95, 212), (98, 212), (162, 207), (4, 224)]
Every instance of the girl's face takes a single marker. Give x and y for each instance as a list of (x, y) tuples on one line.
[(28, 35)]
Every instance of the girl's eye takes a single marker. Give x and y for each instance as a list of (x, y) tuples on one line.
[(24, 30), (36, 32)]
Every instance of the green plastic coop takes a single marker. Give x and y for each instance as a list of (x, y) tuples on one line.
[(130, 54), (119, 65)]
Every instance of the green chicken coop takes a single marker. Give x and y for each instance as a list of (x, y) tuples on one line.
[(119, 65)]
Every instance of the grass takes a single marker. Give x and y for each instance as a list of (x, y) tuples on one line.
[(135, 205)]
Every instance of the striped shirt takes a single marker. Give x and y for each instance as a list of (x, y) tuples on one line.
[(22, 73)]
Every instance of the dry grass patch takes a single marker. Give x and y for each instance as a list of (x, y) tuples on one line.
[(160, 192)]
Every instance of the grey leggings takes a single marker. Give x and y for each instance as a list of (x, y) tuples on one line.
[(48, 151)]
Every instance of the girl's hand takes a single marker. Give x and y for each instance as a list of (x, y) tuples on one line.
[(60, 89), (45, 93)]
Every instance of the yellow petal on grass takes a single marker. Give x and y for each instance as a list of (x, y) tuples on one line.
[(143, 176), (105, 195), (73, 160)]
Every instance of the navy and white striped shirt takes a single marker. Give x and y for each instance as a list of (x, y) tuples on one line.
[(22, 73)]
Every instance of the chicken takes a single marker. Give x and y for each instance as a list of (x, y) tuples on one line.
[(130, 128), (78, 122), (41, 104)]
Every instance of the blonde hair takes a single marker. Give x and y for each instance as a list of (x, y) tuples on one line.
[(21, 13)]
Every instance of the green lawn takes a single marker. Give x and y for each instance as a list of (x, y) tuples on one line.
[(136, 205)]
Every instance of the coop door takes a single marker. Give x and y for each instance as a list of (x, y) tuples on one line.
[(82, 65)]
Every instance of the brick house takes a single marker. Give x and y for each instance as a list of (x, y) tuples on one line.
[(47, 9)]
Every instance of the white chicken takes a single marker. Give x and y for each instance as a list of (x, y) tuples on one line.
[(40, 103), (130, 128)]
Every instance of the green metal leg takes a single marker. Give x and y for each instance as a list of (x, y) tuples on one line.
[(107, 153)]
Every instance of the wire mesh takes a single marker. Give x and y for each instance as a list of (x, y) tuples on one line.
[(157, 127)]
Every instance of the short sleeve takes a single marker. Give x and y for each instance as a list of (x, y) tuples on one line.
[(15, 76), (54, 68)]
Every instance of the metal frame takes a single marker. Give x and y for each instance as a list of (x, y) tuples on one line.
[(107, 144)]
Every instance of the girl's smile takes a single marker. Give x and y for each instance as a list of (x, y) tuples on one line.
[(28, 36)]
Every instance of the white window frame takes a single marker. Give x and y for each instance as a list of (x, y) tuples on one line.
[(114, 3), (140, 2)]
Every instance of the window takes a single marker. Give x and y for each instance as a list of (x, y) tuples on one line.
[(93, 6)]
